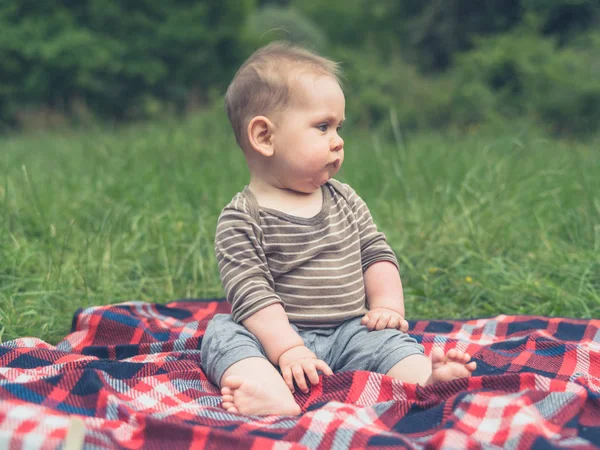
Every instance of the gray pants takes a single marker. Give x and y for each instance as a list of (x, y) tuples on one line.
[(349, 346)]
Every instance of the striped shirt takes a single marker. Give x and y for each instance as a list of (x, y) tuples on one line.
[(312, 266)]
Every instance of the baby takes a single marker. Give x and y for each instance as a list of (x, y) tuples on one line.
[(313, 285)]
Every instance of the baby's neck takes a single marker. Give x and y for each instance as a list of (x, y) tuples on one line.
[(290, 202)]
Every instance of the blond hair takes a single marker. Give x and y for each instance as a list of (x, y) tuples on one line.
[(262, 85)]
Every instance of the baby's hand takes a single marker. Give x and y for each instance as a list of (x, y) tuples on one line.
[(381, 318), (298, 362)]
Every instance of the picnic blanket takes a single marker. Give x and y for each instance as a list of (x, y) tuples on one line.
[(130, 375)]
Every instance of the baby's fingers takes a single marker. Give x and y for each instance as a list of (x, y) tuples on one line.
[(372, 319), (382, 323), (310, 369), (403, 325), (298, 372), (394, 322), (286, 373), (323, 367), (365, 319)]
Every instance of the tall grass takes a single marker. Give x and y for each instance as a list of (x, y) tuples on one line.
[(503, 222)]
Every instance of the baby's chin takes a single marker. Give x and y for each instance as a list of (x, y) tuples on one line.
[(311, 186), (314, 184), (333, 171)]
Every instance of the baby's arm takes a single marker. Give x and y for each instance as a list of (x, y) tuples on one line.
[(272, 328), (383, 289), (285, 348)]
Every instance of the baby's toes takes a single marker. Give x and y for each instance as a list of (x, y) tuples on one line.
[(225, 391), (227, 398), (463, 357), (452, 355)]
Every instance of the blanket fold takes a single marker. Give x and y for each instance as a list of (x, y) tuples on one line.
[(131, 372)]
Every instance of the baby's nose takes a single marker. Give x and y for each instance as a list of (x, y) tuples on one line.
[(338, 144)]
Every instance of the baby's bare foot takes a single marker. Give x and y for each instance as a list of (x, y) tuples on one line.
[(246, 397), (455, 364)]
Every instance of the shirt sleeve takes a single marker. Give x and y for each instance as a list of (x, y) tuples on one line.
[(373, 243), (246, 278)]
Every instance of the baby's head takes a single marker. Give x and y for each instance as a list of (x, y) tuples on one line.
[(287, 102), (265, 84)]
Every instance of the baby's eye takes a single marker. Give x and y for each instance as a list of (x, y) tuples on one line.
[(322, 127), (339, 129)]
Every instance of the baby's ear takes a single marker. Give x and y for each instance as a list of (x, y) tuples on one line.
[(260, 135)]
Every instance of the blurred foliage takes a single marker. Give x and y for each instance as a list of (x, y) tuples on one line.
[(431, 33), (119, 59), (522, 73), (407, 63), (274, 22), (428, 32)]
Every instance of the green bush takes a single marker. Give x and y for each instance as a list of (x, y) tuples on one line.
[(427, 63), (118, 59), (375, 89), (522, 73)]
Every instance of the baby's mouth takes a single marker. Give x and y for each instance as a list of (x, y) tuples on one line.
[(336, 163)]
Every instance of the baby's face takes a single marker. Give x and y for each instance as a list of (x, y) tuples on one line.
[(308, 148)]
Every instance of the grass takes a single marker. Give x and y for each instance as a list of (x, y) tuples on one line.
[(503, 222)]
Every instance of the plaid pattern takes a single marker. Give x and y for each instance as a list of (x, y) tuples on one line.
[(131, 373)]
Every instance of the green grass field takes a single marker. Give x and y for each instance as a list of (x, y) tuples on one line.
[(504, 222)]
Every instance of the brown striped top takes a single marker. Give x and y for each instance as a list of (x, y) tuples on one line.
[(312, 266)]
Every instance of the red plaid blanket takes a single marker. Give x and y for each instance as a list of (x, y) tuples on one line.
[(131, 374)]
